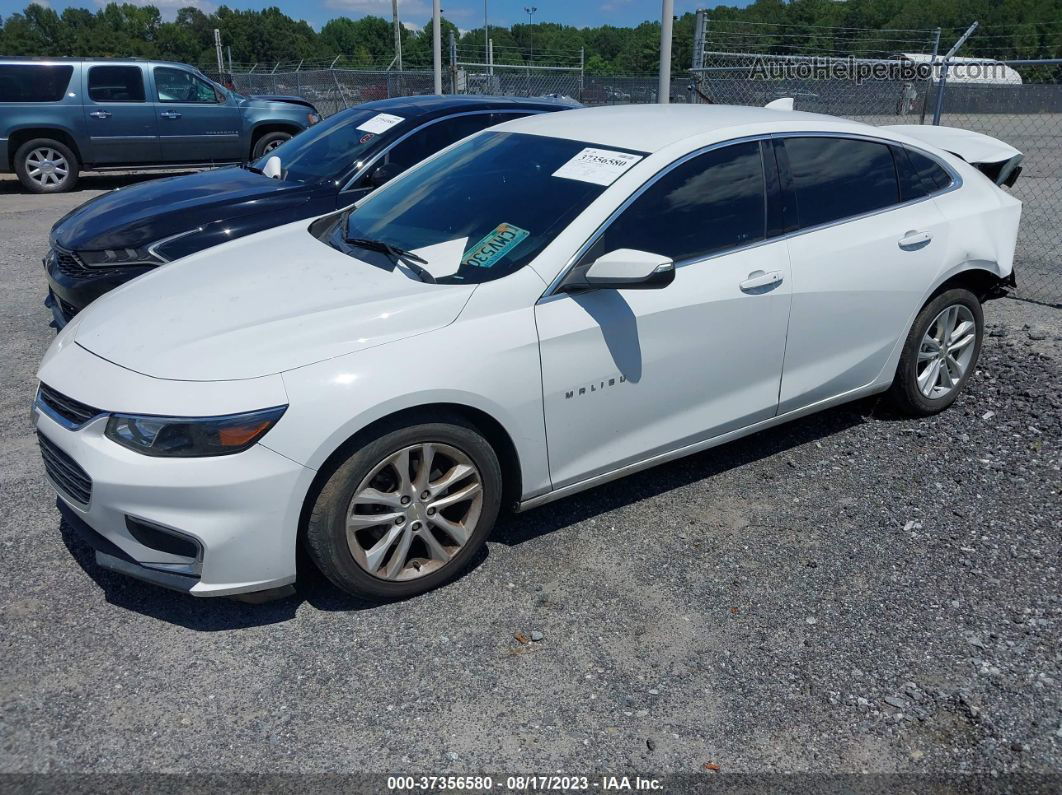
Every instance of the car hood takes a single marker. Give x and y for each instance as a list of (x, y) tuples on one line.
[(260, 305), (265, 100), (149, 211)]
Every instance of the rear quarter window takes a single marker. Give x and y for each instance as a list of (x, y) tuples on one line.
[(34, 82)]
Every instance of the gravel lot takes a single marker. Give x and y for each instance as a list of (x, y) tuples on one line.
[(851, 592)]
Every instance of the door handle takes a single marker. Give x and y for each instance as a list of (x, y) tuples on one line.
[(913, 239), (759, 279), (170, 114), (100, 114)]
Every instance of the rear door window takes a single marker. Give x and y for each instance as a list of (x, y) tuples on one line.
[(838, 178), (434, 137), (34, 82), (116, 84)]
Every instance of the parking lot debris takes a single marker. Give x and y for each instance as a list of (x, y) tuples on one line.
[(711, 767), (521, 638), (536, 636)]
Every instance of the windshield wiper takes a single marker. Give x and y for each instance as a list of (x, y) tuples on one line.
[(407, 258), (251, 168)]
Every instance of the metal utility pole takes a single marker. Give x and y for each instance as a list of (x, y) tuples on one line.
[(700, 30), (531, 34), (486, 33), (932, 65), (229, 48), (217, 50), (667, 19), (436, 44), (944, 71), (398, 34)]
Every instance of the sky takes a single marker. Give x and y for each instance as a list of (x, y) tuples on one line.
[(466, 14)]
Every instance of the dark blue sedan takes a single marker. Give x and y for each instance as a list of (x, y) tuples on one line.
[(121, 234)]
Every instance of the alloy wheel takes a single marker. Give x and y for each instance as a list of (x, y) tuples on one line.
[(46, 166), (946, 351), (414, 511), (271, 145)]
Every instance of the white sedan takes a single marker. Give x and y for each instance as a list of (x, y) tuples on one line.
[(545, 306)]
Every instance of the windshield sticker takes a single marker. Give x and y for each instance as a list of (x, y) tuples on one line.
[(380, 123), (599, 166), (497, 243)]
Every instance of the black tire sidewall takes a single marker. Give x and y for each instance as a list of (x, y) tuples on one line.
[(326, 529), (35, 187), (909, 395), (260, 144)]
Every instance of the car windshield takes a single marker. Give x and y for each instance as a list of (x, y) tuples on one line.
[(333, 147), (485, 208)]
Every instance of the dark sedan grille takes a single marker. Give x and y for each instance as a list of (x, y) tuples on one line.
[(69, 264), (64, 472), (73, 411)]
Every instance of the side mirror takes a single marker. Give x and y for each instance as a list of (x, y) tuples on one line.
[(383, 173), (624, 269), (273, 168)]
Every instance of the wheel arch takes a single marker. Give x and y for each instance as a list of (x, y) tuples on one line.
[(981, 277), (24, 134), (492, 430), (266, 127)]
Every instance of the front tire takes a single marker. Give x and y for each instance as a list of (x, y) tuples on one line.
[(44, 165), (940, 353), (268, 142), (407, 511)]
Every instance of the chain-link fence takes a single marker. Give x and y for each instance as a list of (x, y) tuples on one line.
[(1024, 109), (1021, 105)]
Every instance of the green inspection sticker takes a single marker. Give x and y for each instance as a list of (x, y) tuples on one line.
[(498, 242)]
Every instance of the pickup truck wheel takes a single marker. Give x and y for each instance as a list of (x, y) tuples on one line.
[(940, 353), (44, 165), (406, 512), (268, 142)]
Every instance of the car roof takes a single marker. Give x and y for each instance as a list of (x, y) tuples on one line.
[(649, 128), (431, 104), (46, 59)]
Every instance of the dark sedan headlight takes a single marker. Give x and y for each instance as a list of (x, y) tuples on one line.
[(191, 437), (116, 257), (313, 118), (150, 254)]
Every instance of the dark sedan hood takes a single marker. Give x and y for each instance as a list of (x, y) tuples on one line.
[(143, 213)]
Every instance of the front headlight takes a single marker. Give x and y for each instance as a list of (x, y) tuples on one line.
[(116, 257), (189, 437), (312, 118)]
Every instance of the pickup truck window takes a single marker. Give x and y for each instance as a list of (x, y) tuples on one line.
[(116, 84), (177, 85), (33, 82)]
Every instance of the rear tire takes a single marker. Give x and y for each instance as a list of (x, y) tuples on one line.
[(378, 535), (940, 353), (269, 142), (44, 165)]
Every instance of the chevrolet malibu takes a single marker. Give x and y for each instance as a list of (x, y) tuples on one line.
[(553, 303)]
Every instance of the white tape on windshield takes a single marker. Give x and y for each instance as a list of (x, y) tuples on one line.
[(599, 166), (380, 123)]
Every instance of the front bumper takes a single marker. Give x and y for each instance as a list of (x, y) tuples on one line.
[(72, 286), (241, 512)]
